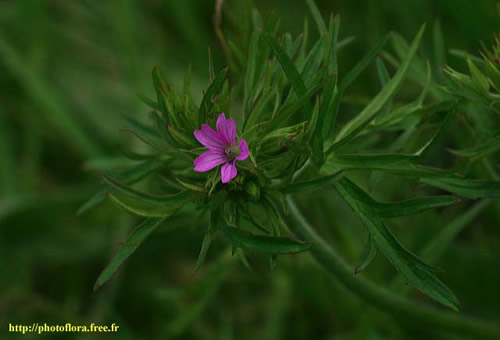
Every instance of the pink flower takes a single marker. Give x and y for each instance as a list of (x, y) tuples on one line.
[(222, 148)]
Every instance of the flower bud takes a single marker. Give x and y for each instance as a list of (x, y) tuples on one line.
[(253, 191)]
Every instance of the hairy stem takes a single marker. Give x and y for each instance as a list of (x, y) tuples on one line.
[(380, 298)]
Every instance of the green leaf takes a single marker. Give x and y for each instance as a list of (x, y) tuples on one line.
[(141, 170), (333, 44), (290, 71), (156, 143), (439, 47), (367, 160), (142, 196), (383, 74), (158, 80), (181, 138), (146, 208), (311, 128), (403, 208), (369, 254), (251, 71), (348, 80), (214, 89), (465, 187), (363, 63), (92, 202), (149, 102), (411, 206), (264, 244), (237, 52), (161, 127), (288, 110), (138, 235), (317, 17), (207, 239), (436, 247), (161, 90), (443, 128), (393, 163), (417, 272), (353, 127), (313, 62), (130, 176), (481, 150), (314, 184), (414, 109), (144, 132), (384, 77), (187, 82), (211, 68), (188, 185), (477, 77), (327, 113)]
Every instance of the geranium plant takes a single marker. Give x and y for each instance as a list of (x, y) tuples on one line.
[(275, 128)]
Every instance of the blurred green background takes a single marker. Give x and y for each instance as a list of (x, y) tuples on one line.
[(70, 71)]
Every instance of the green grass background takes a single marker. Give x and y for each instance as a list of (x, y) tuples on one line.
[(70, 71)]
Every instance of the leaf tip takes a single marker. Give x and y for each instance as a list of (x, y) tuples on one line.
[(97, 285)]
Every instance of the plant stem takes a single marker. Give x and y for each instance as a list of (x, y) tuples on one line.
[(382, 299)]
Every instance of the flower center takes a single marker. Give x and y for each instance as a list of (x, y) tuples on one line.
[(232, 151)]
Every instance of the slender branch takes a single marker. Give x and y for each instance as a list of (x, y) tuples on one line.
[(382, 299), (218, 29)]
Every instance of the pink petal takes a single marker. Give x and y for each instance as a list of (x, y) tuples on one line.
[(243, 150), (226, 128), (209, 138), (209, 160), (228, 172)]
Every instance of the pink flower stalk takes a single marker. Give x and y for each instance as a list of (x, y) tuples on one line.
[(222, 148)]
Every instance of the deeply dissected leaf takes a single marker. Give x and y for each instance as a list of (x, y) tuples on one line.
[(417, 272)]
